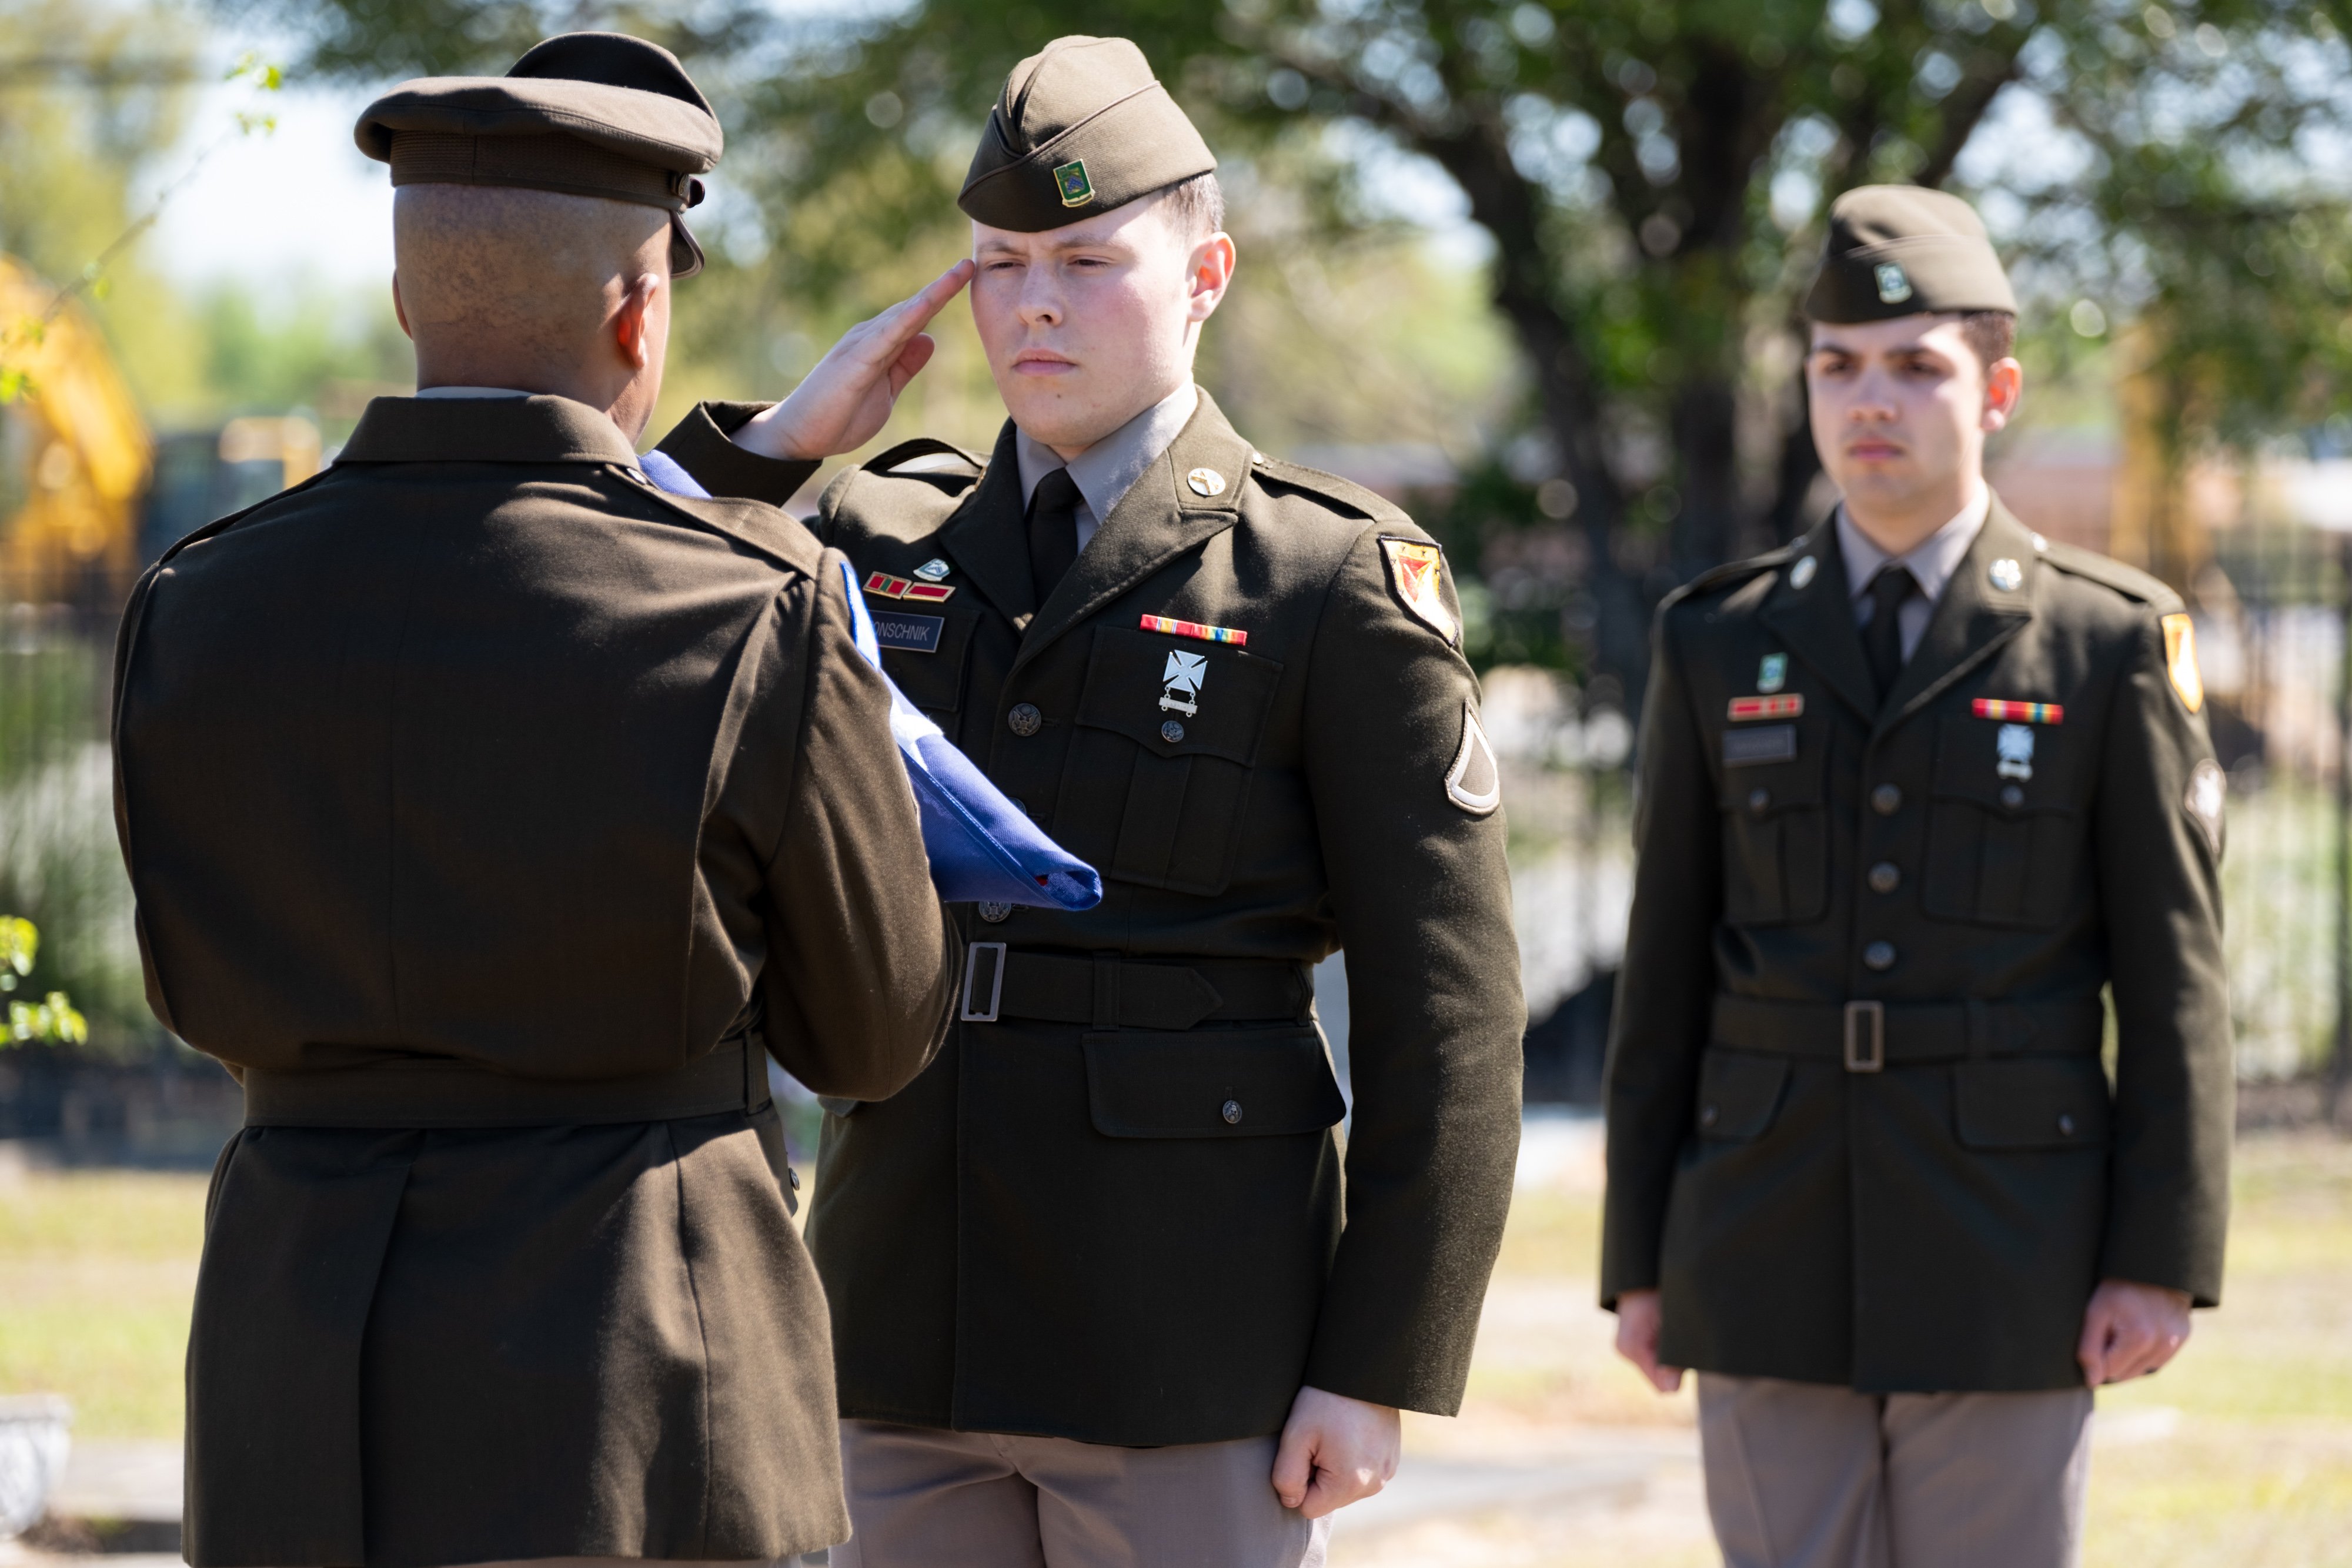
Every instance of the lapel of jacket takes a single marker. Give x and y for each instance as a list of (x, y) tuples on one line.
[(989, 535), (1816, 620), (1975, 616), (1158, 519)]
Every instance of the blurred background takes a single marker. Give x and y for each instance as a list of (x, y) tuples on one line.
[(1527, 266)]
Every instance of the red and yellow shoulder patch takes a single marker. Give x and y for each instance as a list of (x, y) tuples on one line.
[(2180, 660), (1417, 577)]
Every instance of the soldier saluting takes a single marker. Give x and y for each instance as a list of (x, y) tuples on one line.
[(1915, 788), (1094, 1296), (495, 816)]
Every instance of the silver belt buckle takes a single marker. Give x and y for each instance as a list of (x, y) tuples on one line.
[(995, 984), (1865, 1022)]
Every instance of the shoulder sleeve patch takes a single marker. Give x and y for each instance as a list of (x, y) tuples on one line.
[(1417, 576), (1474, 783), (2180, 661), (2209, 792)]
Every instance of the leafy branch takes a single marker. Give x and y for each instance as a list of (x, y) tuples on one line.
[(50, 1020)]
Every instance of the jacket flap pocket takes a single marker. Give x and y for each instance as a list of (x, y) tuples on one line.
[(1212, 1083), (1178, 696), (2019, 768), (2030, 1103), (1739, 1094), (923, 649), (1771, 768)]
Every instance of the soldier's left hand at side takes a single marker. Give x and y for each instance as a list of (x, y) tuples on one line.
[(2130, 1331), (844, 402), (1334, 1451)]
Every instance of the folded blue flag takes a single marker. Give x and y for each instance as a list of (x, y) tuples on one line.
[(983, 848)]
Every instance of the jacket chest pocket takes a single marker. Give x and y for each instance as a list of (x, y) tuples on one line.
[(1775, 827), (2004, 834), (923, 651), (1158, 769)]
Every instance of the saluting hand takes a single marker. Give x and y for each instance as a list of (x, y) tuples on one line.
[(2130, 1330), (1335, 1451), (840, 405)]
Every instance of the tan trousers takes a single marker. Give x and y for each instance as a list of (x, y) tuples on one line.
[(1803, 1475), (920, 1498)]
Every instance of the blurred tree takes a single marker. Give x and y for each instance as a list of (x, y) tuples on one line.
[(1652, 173)]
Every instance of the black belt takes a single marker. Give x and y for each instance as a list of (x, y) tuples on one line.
[(1111, 993), (440, 1092), (1866, 1036)]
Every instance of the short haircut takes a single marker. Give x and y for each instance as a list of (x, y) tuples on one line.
[(1992, 333), (1196, 207)]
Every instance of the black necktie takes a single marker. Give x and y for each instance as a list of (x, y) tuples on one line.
[(1882, 637), (1053, 531)]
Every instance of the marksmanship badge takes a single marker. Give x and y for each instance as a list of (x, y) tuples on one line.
[(2180, 660), (2014, 745), (1417, 574), (1181, 680), (1894, 284), (1071, 179)]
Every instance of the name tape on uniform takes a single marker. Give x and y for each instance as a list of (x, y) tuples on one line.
[(2020, 713), (882, 585), (911, 634), (1745, 708), (1773, 743), (1176, 628)]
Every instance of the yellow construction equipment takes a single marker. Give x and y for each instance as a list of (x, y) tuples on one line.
[(75, 453)]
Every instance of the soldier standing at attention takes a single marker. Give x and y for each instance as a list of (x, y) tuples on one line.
[(494, 816), (1916, 789), (1096, 1298)]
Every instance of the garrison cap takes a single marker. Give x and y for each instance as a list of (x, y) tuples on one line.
[(1083, 127), (584, 114), (1903, 250)]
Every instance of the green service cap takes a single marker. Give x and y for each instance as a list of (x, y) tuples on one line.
[(1905, 250), (586, 114), (1083, 127)]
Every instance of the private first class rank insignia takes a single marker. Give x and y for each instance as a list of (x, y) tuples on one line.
[(1417, 574)]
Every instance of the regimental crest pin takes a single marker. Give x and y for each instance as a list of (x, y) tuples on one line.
[(1417, 576), (933, 571), (1772, 673), (2013, 744), (1070, 178), (1801, 574), (1893, 283), (1180, 683)]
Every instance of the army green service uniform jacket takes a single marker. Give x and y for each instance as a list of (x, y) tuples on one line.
[(1114, 1209), (488, 809), (1859, 1131)]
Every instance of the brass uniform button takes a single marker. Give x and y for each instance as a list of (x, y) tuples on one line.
[(2066, 1125), (1886, 799), (1759, 800), (793, 1176), (1025, 719), (1232, 1113), (1172, 732), (2011, 796), (1706, 1116), (1885, 877), (996, 913), (1878, 956)]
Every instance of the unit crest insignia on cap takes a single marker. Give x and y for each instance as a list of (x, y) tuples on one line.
[(1894, 287), (1071, 179), (1417, 575), (2180, 660)]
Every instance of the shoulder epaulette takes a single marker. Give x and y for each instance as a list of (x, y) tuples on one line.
[(1330, 487), (1729, 572), (2108, 572)]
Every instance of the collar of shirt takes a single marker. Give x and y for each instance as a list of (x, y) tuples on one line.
[(1105, 472), (1932, 561), (469, 392)]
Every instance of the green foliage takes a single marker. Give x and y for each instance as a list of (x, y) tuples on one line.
[(50, 1020)]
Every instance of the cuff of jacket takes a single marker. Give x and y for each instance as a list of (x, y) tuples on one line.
[(701, 444)]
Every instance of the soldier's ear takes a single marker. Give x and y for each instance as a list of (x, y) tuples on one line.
[(2004, 389), (400, 310), (633, 321), (1211, 269)]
